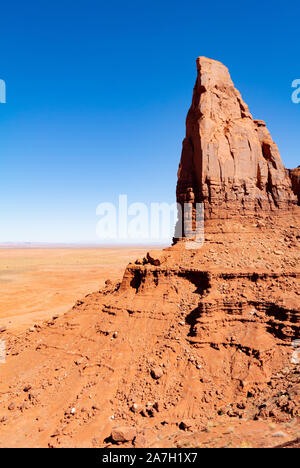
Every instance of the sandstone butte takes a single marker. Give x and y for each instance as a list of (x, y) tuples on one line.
[(192, 347)]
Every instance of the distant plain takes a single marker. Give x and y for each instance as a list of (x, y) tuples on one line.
[(37, 283)]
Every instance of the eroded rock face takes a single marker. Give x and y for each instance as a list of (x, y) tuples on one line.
[(229, 160), (295, 178)]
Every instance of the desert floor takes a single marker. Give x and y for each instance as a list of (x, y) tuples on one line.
[(36, 283)]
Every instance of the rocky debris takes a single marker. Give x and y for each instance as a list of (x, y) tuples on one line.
[(123, 434), (281, 399), (291, 444)]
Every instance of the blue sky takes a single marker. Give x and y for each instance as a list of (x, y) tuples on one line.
[(97, 95)]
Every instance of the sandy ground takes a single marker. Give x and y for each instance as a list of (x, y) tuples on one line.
[(36, 283)]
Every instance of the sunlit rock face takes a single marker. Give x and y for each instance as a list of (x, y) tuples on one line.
[(229, 160)]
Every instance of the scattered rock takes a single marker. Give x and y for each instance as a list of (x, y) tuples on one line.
[(185, 424), (157, 373), (279, 434), (154, 257), (123, 434), (136, 408), (140, 441)]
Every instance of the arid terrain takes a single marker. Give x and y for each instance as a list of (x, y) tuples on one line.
[(193, 346), (37, 283)]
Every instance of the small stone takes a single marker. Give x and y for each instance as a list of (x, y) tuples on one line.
[(157, 373), (295, 359), (156, 406), (136, 408), (11, 406), (279, 434), (123, 434), (140, 441), (230, 430), (185, 425)]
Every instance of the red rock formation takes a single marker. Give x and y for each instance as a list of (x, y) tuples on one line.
[(229, 161), (189, 342), (295, 178)]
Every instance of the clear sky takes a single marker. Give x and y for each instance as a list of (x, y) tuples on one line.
[(97, 95)]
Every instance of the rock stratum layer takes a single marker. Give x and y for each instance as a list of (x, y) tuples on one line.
[(192, 347)]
